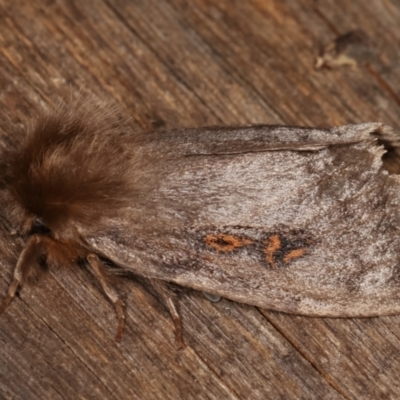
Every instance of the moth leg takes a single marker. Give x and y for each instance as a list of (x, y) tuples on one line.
[(26, 266), (100, 272), (167, 296)]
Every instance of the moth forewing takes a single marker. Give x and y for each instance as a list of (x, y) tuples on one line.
[(297, 229)]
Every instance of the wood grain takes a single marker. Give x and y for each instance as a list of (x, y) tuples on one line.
[(171, 64)]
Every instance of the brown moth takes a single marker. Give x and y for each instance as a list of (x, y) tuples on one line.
[(299, 220)]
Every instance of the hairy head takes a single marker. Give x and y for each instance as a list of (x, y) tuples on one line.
[(75, 167)]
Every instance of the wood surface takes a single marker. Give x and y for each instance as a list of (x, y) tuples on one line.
[(178, 64)]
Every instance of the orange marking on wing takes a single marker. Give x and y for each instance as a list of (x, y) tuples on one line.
[(273, 245), (296, 253), (226, 243)]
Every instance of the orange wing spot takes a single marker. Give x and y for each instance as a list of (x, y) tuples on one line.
[(273, 245), (296, 253), (226, 243)]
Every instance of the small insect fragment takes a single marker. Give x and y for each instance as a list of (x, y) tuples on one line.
[(350, 49)]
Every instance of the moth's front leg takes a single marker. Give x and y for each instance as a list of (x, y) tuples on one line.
[(27, 265)]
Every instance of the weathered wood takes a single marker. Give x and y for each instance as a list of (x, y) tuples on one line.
[(172, 64)]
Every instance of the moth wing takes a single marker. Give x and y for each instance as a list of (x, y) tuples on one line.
[(305, 225)]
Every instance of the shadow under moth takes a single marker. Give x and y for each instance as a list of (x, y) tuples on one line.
[(299, 220)]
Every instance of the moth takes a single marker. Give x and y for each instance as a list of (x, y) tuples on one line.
[(298, 220)]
